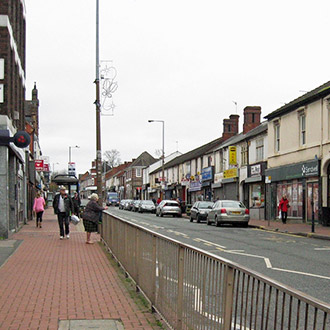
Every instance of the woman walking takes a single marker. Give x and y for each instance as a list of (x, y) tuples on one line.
[(39, 208), (91, 216), (283, 207)]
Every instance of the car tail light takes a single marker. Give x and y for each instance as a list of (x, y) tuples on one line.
[(247, 211), (223, 211)]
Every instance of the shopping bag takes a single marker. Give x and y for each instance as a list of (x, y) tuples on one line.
[(280, 214), (74, 219)]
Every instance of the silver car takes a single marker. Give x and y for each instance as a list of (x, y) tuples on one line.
[(168, 207), (147, 206), (200, 211), (227, 211)]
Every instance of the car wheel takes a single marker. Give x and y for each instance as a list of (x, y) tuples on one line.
[(217, 223), (198, 218), (161, 214), (208, 222), (191, 219), (245, 224)]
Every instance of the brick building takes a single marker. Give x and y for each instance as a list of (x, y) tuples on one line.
[(12, 116)]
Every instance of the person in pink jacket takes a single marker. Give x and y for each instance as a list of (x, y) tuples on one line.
[(39, 208)]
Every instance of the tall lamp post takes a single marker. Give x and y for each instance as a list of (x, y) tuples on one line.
[(98, 111), (163, 154), (72, 147)]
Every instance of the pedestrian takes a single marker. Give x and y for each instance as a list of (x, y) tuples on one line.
[(39, 208), (63, 207), (91, 216), (76, 203), (283, 207), (158, 201)]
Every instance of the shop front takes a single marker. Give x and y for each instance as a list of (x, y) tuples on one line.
[(230, 185), (207, 180), (195, 192), (255, 184), (300, 182)]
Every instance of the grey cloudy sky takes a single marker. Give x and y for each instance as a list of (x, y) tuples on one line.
[(183, 61)]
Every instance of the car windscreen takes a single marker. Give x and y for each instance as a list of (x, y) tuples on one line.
[(205, 205), (232, 204), (147, 203)]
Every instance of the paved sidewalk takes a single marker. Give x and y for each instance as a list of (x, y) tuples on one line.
[(301, 229), (48, 279)]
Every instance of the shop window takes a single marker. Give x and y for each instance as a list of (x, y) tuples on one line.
[(259, 150), (277, 138), (257, 195), (294, 192), (302, 129)]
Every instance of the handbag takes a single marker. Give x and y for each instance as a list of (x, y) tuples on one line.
[(280, 214), (75, 220)]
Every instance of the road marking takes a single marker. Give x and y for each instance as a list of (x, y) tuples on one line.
[(268, 264), (212, 244), (322, 249), (277, 232), (301, 273)]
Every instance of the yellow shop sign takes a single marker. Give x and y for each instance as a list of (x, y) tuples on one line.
[(231, 173), (232, 155)]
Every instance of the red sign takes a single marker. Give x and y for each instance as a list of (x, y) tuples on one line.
[(39, 165), (46, 168)]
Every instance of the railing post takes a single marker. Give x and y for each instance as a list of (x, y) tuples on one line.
[(137, 257), (154, 268), (228, 297), (180, 287)]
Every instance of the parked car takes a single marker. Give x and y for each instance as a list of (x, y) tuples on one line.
[(200, 210), (122, 204), (135, 205), (112, 199), (167, 207), (128, 204), (228, 211), (147, 206)]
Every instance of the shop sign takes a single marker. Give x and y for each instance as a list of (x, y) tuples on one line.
[(256, 170), (218, 177), (232, 155), (46, 168), (195, 186), (184, 183), (231, 173), (39, 165), (207, 173), (310, 169)]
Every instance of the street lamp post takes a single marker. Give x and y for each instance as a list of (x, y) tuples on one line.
[(98, 111), (72, 147), (163, 154)]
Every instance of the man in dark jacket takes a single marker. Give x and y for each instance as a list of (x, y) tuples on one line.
[(63, 207)]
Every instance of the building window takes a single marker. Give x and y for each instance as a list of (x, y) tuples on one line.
[(302, 128), (277, 138), (138, 172), (259, 150), (244, 154)]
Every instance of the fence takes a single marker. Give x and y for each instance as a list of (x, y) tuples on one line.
[(193, 289)]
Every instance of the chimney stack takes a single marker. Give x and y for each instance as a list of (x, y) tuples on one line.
[(230, 127), (251, 118)]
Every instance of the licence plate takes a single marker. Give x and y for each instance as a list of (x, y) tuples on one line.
[(236, 212)]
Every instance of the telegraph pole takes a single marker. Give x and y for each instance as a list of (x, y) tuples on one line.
[(98, 111)]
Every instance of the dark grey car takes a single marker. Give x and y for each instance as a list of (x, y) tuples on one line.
[(200, 211)]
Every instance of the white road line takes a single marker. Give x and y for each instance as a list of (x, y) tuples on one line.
[(301, 273), (212, 244), (268, 263), (322, 249)]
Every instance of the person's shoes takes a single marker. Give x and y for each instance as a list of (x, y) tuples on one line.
[(61, 237), (40, 226), (37, 225), (67, 236), (89, 242)]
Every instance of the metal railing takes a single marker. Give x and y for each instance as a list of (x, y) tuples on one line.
[(193, 289)]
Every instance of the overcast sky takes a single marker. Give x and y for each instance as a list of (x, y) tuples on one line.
[(183, 61)]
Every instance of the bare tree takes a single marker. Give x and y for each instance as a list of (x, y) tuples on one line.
[(112, 157)]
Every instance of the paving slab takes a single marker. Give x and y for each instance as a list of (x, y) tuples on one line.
[(7, 248), (91, 324)]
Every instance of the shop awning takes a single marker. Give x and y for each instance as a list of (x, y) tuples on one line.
[(251, 179)]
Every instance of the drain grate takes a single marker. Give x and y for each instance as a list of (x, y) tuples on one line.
[(90, 324)]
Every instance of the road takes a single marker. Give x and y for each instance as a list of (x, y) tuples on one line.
[(302, 263)]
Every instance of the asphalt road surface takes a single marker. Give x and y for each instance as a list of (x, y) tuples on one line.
[(302, 263)]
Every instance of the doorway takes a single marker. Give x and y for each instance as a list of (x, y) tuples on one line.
[(312, 201)]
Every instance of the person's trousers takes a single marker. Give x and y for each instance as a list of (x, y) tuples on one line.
[(284, 216), (39, 216), (63, 220)]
